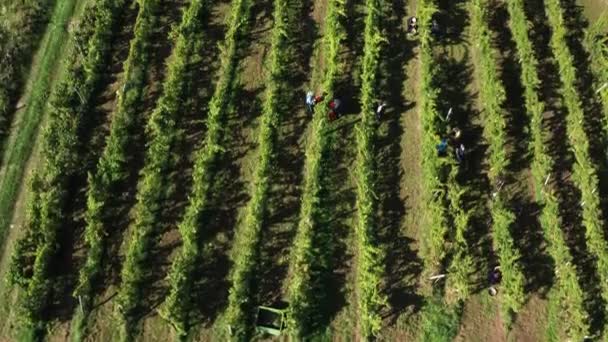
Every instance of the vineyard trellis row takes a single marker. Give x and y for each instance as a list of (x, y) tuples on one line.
[(161, 161), (301, 279), (569, 294), (434, 167), (369, 269), (113, 166), (596, 44), (492, 96), (239, 312), (584, 171), (61, 155), (178, 304)]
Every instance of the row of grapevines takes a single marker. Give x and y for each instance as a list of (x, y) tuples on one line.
[(441, 186), (492, 96), (595, 44), (369, 265), (61, 159), (20, 30), (567, 287), (239, 311), (584, 173), (299, 293), (458, 283), (178, 304), (161, 159), (112, 167), (434, 168)]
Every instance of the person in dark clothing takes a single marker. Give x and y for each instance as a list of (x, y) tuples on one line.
[(435, 30), (460, 153), (380, 109), (494, 279), (412, 25)]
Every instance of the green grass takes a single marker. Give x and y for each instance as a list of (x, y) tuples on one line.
[(19, 150), (439, 322)]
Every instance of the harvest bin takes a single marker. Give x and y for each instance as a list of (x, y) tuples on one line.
[(270, 320)]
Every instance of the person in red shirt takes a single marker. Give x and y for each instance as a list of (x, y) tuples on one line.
[(335, 106)]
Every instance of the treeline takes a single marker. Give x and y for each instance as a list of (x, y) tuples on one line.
[(282, 56), (21, 26), (369, 269), (34, 256), (584, 171), (113, 167), (567, 290), (161, 157), (492, 97), (302, 279), (178, 305)]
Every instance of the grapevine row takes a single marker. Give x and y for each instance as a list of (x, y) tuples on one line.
[(161, 160), (178, 304), (584, 173), (434, 167), (299, 294), (567, 287), (369, 265), (112, 167), (595, 44), (71, 102), (492, 97), (239, 311), (440, 183)]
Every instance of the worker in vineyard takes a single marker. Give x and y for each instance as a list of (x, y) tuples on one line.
[(320, 98), (335, 109), (380, 109), (494, 279), (455, 137), (460, 153), (310, 102), (412, 26), (435, 30), (442, 147)]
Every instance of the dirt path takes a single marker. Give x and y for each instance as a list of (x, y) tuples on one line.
[(399, 160)]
